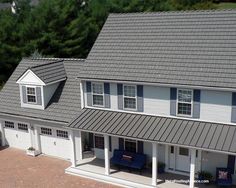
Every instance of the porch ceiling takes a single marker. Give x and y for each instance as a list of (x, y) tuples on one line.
[(202, 135)]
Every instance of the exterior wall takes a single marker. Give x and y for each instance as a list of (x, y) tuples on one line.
[(156, 100), (48, 92), (212, 160), (216, 106)]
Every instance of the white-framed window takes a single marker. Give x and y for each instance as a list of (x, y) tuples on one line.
[(130, 97), (184, 151), (9, 124), (46, 131), (22, 126), (31, 94), (62, 134), (98, 94), (184, 102), (99, 141), (130, 145)]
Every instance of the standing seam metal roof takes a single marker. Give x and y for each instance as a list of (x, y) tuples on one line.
[(220, 137)]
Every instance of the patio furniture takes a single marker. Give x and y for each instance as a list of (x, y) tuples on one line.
[(128, 159), (223, 177)]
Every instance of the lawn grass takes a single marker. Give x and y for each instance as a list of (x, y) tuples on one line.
[(226, 6)]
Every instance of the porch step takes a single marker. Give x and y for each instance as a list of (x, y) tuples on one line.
[(106, 179)]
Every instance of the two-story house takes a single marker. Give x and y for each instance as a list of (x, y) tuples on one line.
[(159, 84)]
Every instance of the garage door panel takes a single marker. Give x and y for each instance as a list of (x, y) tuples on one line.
[(17, 139), (56, 147)]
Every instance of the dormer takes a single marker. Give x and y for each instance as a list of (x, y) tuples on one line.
[(38, 84)]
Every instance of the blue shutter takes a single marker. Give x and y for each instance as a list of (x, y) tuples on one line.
[(231, 163), (110, 144), (24, 98), (121, 144), (38, 95), (120, 96), (140, 98), (89, 94), (233, 111), (173, 96), (196, 103), (107, 95), (140, 147)]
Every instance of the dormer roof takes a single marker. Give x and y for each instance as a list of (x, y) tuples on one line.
[(45, 74)]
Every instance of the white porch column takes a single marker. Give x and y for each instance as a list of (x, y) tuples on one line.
[(192, 168), (37, 139), (154, 164), (30, 130), (107, 155), (3, 133), (80, 146), (73, 157)]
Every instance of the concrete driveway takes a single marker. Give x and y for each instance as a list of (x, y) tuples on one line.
[(20, 170)]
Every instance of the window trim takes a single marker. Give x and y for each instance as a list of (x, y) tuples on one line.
[(131, 141), (23, 124), (101, 136), (44, 133), (136, 97), (177, 103), (103, 94), (14, 124), (36, 101), (67, 138)]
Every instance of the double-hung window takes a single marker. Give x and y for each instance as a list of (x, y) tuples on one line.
[(31, 94), (130, 145), (98, 94), (130, 97), (185, 100)]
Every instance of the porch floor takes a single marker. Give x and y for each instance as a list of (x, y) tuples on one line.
[(94, 168)]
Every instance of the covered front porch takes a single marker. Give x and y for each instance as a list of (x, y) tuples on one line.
[(94, 168), (183, 145)]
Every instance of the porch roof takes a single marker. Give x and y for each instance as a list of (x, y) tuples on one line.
[(190, 133)]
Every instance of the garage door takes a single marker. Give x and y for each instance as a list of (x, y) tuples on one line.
[(55, 143), (17, 135)]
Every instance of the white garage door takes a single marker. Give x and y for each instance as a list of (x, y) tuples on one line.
[(55, 143), (17, 135)]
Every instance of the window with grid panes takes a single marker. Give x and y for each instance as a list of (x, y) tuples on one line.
[(130, 97), (184, 106), (98, 94)]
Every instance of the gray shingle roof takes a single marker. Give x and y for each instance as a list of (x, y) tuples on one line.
[(65, 103), (183, 132), (50, 72), (195, 48)]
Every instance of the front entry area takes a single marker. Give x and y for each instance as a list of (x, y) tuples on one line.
[(179, 159)]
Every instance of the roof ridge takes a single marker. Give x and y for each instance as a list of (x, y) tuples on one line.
[(176, 11), (47, 64), (54, 58)]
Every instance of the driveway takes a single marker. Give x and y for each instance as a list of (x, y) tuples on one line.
[(19, 170)]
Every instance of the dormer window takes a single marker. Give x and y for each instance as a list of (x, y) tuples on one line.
[(38, 84), (31, 94)]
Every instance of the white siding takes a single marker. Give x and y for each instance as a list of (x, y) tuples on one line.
[(48, 92), (212, 160), (147, 149), (215, 106), (156, 100)]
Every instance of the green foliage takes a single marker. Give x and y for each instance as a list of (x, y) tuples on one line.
[(66, 28)]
